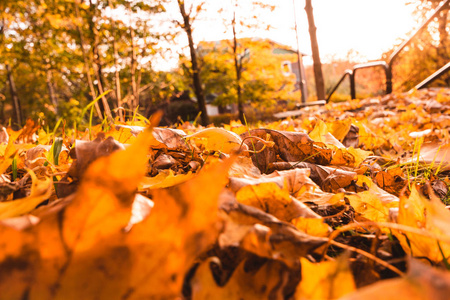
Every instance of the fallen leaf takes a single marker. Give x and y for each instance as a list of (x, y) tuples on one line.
[(272, 199), (292, 146), (263, 234), (321, 134), (40, 191), (422, 282), (164, 179), (266, 280), (350, 157), (435, 155), (312, 226), (325, 280), (217, 139), (429, 215)]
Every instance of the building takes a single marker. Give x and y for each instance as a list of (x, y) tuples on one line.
[(264, 62)]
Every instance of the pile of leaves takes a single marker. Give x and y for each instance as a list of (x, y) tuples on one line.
[(347, 200)]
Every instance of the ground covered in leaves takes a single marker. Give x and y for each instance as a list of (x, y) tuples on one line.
[(345, 201)]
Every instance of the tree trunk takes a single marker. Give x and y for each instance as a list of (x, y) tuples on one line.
[(238, 69), (134, 88), (318, 76), (198, 89), (442, 51), (86, 62), (116, 67), (51, 91), (15, 99), (135, 100), (96, 63)]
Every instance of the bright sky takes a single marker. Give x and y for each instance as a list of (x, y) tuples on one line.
[(369, 27)]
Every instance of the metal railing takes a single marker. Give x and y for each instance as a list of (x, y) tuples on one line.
[(387, 66)]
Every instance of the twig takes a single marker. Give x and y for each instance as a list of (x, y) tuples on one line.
[(266, 144), (368, 255)]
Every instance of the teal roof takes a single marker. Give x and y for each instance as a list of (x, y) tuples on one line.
[(285, 51)]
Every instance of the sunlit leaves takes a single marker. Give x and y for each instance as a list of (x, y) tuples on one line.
[(164, 214), (429, 215), (331, 280)]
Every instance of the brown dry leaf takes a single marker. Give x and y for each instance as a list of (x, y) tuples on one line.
[(351, 139), (421, 283), (293, 180), (37, 156), (296, 181), (300, 186), (292, 146), (27, 134), (263, 234), (329, 178), (435, 155), (172, 139), (335, 178), (392, 181), (244, 167), (84, 154), (428, 215), (325, 280)]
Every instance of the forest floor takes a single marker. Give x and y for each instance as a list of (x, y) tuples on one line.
[(347, 200)]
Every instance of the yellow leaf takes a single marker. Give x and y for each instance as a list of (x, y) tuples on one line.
[(265, 282), (312, 226), (325, 280), (182, 224), (340, 128), (40, 191), (217, 139), (369, 206), (270, 198), (428, 215), (164, 179), (350, 157), (321, 134), (236, 127), (9, 151)]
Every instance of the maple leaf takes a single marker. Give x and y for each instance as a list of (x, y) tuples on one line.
[(429, 215)]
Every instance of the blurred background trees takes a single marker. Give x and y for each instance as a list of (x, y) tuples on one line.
[(57, 56)]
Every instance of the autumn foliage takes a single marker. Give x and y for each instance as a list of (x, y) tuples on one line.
[(346, 201)]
